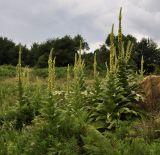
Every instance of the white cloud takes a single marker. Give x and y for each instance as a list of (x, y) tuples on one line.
[(36, 20), (95, 45)]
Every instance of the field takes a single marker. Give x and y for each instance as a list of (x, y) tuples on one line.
[(74, 111), (64, 111)]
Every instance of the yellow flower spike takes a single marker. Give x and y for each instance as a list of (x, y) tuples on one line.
[(142, 64), (80, 52), (95, 65), (68, 78), (120, 40), (128, 51), (54, 72), (112, 49), (51, 72), (19, 73)]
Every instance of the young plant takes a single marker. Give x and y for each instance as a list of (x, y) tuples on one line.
[(25, 112), (76, 114)]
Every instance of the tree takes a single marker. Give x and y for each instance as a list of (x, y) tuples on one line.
[(88, 60), (146, 47), (102, 57), (149, 49), (77, 40), (125, 40), (7, 52), (64, 50)]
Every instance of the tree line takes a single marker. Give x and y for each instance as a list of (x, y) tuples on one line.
[(66, 47), (64, 50)]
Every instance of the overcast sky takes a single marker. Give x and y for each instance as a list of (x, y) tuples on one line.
[(29, 21)]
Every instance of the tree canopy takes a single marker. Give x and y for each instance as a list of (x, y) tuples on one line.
[(66, 47), (146, 47)]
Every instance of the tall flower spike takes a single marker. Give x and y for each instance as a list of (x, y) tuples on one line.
[(95, 66), (128, 51), (75, 62), (80, 52), (54, 72), (50, 72), (112, 49), (20, 56), (27, 77), (19, 72), (75, 59), (68, 78), (79, 68), (120, 34), (142, 63)]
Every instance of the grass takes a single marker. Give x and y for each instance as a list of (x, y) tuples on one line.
[(7, 71), (10, 71)]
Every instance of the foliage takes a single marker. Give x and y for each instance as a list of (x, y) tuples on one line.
[(102, 117), (64, 50)]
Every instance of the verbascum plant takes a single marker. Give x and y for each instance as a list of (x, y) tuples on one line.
[(123, 54), (78, 84), (26, 78), (120, 36), (79, 70), (95, 66), (49, 109), (75, 59), (25, 112), (128, 52), (124, 71), (118, 97), (142, 70), (123, 57), (111, 64), (95, 92), (113, 57), (68, 78), (54, 73), (76, 114), (96, 77), (51, 72), (19, 74)]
